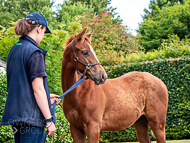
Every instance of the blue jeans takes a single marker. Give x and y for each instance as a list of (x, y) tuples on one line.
[(25, 133)]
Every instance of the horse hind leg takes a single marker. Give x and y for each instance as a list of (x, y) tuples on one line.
[(141, 127), (156, 114), (158, 127)]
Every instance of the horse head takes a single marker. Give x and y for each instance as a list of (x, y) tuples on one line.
[(83, 58)]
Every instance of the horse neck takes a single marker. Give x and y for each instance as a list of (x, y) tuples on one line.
[(69, 76)]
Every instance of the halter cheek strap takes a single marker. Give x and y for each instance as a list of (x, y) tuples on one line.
[(88, 66)]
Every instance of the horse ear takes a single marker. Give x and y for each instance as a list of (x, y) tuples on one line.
[(78, 37), (89, 34)]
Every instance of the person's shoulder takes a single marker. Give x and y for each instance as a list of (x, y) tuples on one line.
[(23, 45), (28, 46)]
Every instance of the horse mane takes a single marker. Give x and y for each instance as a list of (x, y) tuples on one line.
[(84, 37)]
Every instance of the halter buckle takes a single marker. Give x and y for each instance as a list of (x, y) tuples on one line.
[(88, 66)]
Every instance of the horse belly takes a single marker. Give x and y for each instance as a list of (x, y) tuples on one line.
[(120, 116)]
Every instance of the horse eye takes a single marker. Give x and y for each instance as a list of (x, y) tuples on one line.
[(85, 52)]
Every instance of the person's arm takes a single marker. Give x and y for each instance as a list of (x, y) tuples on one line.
[(41, 99)]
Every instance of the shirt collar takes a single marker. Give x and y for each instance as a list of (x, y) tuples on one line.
[(28, 38)]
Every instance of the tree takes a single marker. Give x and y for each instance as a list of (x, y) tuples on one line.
[(158, 4), (98, 5), (69, 13), (111, 41), (166, 21), (12, 10)]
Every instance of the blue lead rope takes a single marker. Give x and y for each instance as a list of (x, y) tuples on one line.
[(54, 104)]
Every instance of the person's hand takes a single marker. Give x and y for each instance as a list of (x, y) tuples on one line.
[(51, 128), (53, 98)]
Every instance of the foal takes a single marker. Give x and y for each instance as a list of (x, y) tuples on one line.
[(136, 98)]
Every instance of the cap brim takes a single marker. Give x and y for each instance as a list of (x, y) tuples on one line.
[(48, 30)]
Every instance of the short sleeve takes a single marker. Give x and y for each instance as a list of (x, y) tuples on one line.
[(36, 66)]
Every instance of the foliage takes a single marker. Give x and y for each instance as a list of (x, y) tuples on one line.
[(166, 21), (109, 40), (5, 131), (68, 12), (175, 74), (119, 136), (174, 48), (7, 40), (155, 4), (98, 5), (12, 10)]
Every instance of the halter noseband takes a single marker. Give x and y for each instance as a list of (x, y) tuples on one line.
[(88, 66)]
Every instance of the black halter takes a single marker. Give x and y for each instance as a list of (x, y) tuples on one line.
[(88, 66)]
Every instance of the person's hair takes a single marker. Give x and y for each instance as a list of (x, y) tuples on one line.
[(23, 27)]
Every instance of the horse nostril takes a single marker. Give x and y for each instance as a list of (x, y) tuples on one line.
[(103, 77)]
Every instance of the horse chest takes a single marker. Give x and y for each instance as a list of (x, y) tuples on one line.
[(73, 117)]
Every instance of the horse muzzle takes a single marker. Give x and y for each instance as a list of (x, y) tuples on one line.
[(99, 77)]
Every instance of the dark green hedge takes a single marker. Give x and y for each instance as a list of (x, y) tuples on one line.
[(175, 73), (5, 131)]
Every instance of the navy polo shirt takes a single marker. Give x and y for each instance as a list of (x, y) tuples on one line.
[(36, 66)]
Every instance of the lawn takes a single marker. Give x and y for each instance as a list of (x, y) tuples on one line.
[(173, 141), (179, 141)]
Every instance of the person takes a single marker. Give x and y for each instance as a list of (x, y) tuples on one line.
[(28, 105)]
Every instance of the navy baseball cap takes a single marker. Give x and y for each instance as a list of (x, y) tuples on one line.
[(38, 18)]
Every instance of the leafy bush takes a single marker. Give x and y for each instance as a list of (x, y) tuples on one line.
[(174, 48), (109, 39), (119, 136), (5, 131), (7, 39)]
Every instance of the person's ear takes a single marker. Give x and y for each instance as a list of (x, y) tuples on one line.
[(39, 28)]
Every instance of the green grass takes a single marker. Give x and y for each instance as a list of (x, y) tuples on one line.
[(179, 141), (173, 141)]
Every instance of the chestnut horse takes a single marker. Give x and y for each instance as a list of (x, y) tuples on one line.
[(99, 105)]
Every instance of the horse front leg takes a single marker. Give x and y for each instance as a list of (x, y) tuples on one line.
[(92, 131), (77, 134)]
